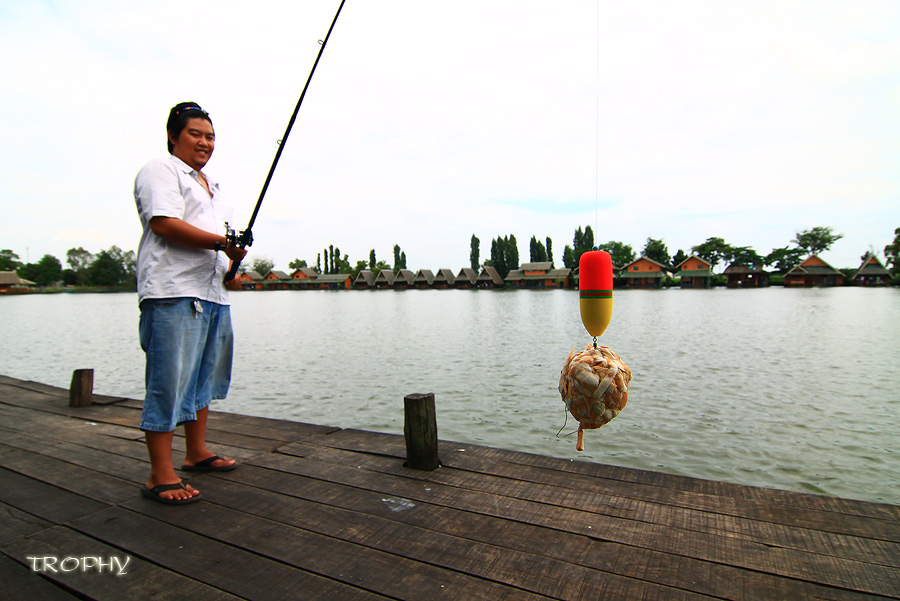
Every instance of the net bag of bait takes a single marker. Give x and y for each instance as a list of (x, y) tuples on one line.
[(594, 386)]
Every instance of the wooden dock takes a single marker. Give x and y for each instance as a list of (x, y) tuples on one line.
[(319, 512)]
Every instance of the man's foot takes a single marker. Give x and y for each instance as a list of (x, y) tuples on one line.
[(213, 463), (178, 493)]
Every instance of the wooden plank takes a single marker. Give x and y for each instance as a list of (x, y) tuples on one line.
[(532, 572), (19, 582), (422, 486), (67, 476), (142, 580), (868, 545), (101, 437), (382, 443), (15, 523), (130, 418), (259, 560), (48, 390), (19, 418), (577, 566), (483, 462), (43, 500)]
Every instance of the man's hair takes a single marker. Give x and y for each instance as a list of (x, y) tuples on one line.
[(178, 118)]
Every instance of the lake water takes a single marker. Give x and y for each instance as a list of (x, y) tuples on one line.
[(786, 388)]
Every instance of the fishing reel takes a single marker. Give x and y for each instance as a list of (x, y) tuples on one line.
[(242, 239)]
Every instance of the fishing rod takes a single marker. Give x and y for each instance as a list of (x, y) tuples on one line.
[(245, 238)]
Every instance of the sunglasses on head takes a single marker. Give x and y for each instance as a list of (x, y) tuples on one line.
[(190, 108)]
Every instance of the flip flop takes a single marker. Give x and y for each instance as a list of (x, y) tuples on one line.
[(207, 465), (153, 493)]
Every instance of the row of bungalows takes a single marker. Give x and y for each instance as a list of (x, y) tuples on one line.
[(816, 272), (306, 278), (696, 272)]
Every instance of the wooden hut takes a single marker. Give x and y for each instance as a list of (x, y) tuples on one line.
[(333, 281), (404, 278), (305, 273), (304, 278), (385, 279), (489, 278), (11, 283), (364, 280), (444, 279), (813, 272), (644, 273), (251, 280), (424, 279), (277, 280), (538, 275), (871, 273), (695, 272), (746, 276), (466, 278)]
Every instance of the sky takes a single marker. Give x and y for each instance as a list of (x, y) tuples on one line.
[(427, 122)]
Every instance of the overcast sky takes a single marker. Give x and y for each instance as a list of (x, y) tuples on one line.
[(429, 121)]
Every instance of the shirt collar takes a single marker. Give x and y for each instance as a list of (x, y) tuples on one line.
[(188, 170)]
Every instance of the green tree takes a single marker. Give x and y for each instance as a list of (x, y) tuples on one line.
[(504, 254), (817, 240), (380, 266), (582, 241), (744, 255), (297, 264), (474, 253), (397, 266), (330, 257), (784, 259), (360, 266), (569, 257), (319, 263), (679, 258), (262, 265), (372, 261), (9, 261), (621, 254), (342, 265), (498, 262), (45, 272), (79, 260), (656, 250), (892, 254), (512, 253), (713, 251), (107, 269), (538, 251), (550, 250)]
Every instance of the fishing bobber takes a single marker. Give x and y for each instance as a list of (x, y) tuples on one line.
[(595, 284)]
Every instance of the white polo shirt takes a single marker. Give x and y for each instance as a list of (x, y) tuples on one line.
[(168, 187)]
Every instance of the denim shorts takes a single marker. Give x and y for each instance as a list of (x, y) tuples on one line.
[(189, 348)]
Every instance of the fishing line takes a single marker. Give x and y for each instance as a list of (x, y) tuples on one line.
[(597, 131)]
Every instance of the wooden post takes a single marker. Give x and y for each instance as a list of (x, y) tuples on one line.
[(82, 389), (420, 431)]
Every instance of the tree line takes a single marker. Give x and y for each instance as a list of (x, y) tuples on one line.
[(108, 268), (116, 268)]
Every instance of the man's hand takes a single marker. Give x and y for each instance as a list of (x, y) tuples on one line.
[(235, 253)]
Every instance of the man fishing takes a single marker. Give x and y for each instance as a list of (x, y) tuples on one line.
[(185, 322)]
